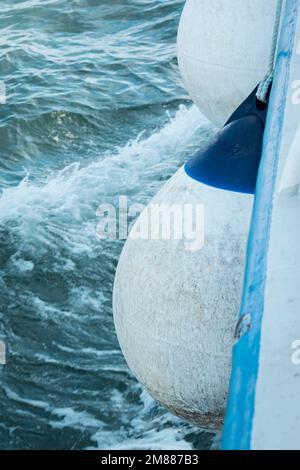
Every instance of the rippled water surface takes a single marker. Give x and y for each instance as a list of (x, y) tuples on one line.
[(94, 109)]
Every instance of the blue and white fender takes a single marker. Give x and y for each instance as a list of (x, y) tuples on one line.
[(264, 405)]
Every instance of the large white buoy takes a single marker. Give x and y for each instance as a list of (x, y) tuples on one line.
[(223, 51), (175, 308)]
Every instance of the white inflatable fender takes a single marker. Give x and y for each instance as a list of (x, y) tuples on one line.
[(175, 310), (223, 51)]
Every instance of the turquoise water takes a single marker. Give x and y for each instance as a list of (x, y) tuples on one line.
[(95, 109)]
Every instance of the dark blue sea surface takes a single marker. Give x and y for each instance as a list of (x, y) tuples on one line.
[(95, 109)]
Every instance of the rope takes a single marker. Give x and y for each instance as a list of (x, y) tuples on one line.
[(265, 84)]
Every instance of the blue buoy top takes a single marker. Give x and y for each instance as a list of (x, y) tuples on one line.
[(230, 161)]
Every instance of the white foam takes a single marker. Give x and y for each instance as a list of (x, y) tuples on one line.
[(149, 429), (70, 193), (74, 419), (15, 397)]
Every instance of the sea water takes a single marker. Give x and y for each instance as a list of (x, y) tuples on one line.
[(94, 109)]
